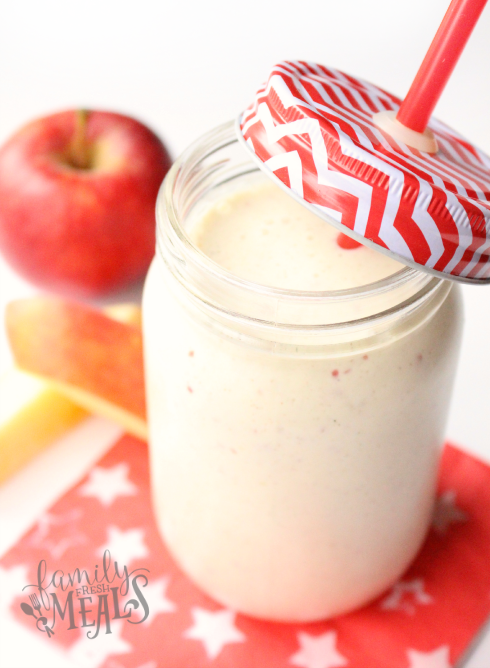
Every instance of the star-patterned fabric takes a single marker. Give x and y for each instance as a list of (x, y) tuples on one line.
[(106, 484), (426, 620)]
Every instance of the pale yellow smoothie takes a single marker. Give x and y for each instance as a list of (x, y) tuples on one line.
[(293, 482), (264, 235)]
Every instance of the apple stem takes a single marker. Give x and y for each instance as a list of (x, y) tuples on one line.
[(79, 151)]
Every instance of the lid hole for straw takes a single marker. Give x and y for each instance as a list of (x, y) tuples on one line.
[(409, 124)]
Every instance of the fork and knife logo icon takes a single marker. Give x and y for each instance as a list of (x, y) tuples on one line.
[(26, 609)]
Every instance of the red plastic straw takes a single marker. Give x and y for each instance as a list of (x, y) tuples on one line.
[(439, 62)]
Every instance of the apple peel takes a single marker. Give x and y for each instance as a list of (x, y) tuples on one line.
[(84, 354)]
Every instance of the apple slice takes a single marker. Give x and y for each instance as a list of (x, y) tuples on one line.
[(33, 414), (126, 312), (90, 358)]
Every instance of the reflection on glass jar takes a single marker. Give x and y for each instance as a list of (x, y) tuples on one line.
[(294, 435)]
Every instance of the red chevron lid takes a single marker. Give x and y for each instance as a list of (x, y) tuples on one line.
[(311, 128)]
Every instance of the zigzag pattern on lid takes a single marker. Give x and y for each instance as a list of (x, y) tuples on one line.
[(312, 127)]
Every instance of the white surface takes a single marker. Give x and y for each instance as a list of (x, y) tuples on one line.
[(184, 67)]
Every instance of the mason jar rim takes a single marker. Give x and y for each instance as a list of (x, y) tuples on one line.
[(171, 233), (400, 277)]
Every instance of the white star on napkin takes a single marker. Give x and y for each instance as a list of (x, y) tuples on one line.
[(439, 658), (71, 535), (318, 651), (446, 512), (155, 594), (397, 598), (214, 629), (124, 546), (106, 484)]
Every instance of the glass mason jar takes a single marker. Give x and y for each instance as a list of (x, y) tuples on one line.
[(282, 492)]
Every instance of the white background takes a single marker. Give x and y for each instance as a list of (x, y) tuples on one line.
[(184, 67)]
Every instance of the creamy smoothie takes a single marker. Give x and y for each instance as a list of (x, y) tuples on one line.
[(264, 235), (293, 481)]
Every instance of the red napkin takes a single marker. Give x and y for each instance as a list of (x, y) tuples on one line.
[(427, 620)]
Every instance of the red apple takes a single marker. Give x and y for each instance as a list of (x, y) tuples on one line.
[(77, 201)]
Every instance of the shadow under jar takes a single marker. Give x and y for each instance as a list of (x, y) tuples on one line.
[(294, 436)]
